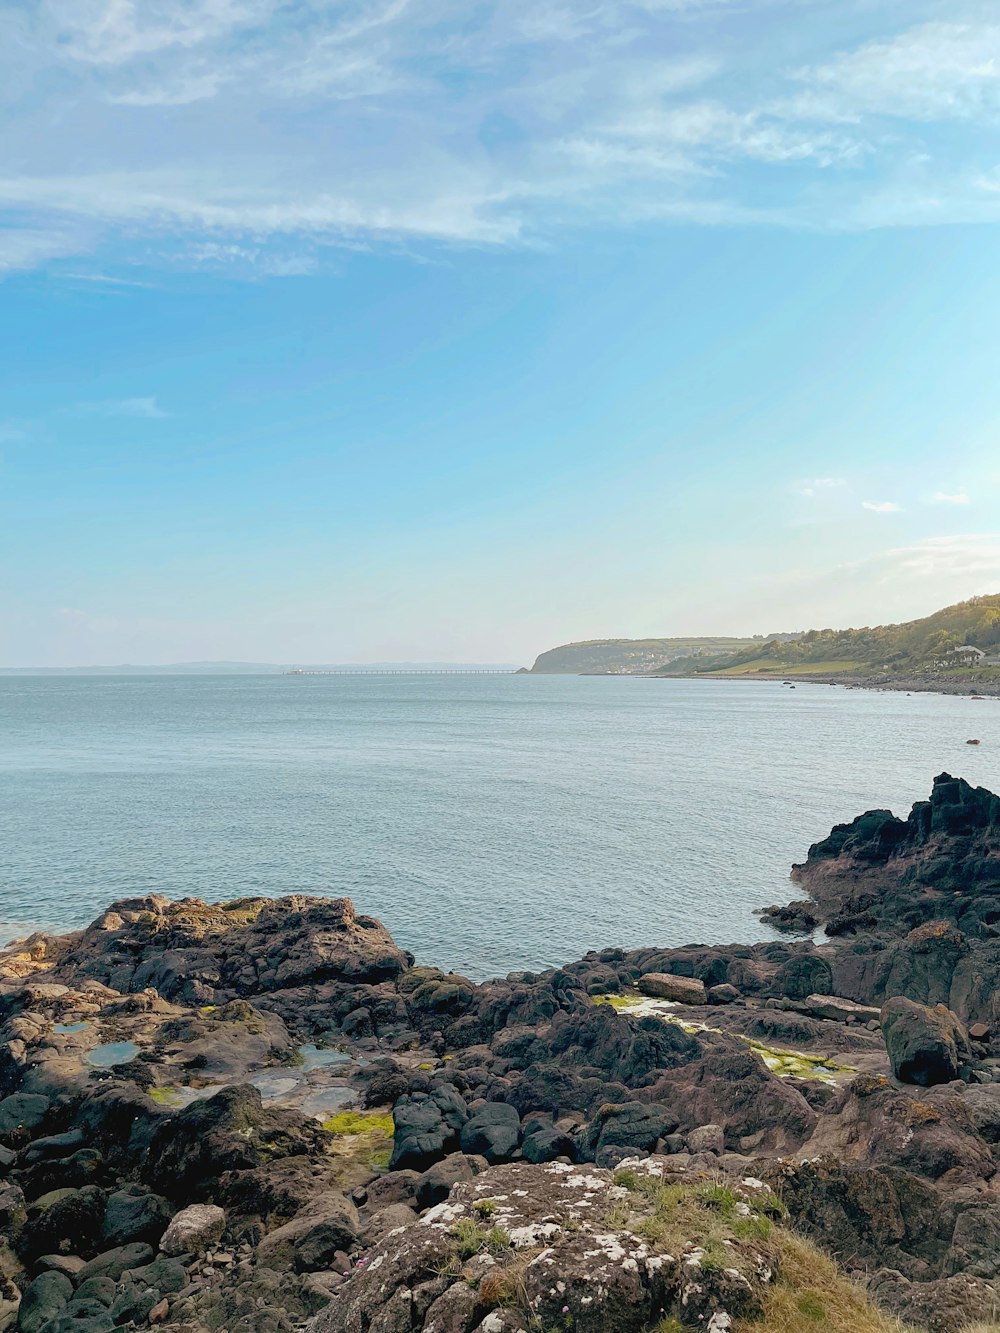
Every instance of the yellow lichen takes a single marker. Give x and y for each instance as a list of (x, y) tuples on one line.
[(784, 1063), (360, 1122)]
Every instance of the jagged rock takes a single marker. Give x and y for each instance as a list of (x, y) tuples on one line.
[(925, 1045), (666, 986), (203, 953), (798, 917), (945, 1305)]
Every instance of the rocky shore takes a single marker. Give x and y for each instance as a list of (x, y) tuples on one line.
[(263, 1116)]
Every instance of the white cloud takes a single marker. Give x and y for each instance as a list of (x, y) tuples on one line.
[(957, 498), (934, 71), (881, 506)]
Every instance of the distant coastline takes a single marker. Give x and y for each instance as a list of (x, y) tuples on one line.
[(249, 668)]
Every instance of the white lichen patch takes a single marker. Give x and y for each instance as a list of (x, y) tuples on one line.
[(523, 1238), (441, 1214)]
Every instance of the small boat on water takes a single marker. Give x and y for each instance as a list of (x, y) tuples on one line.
[(973, 742)]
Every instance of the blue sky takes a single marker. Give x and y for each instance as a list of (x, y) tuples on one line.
[(347, 331)]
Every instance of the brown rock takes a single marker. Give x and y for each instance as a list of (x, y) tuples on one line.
[(667, 986)]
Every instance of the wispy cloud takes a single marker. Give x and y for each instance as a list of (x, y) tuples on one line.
[(933, 71), (881, 506), (818, 485), (148, 408), (254, 123), (955, 498)]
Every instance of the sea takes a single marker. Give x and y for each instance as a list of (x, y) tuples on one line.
[(494, 823)]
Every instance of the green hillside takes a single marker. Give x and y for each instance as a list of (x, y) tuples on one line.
[(916, 646), (633, 656)]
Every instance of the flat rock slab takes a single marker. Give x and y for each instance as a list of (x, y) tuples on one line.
[(838, 1009), (667, 986)]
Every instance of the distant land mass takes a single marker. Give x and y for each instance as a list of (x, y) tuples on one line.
[(956, 649), (251, 668), (640, 657)]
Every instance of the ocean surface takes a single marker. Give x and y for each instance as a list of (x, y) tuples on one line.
[(492, 822)]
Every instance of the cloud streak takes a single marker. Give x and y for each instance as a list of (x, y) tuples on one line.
[(170, 124), (146, 408)]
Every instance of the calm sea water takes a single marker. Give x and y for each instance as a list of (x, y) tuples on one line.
[(491, 822)]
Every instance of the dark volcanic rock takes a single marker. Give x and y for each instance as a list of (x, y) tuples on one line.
[(427, 1126), (201, 953), (925, 1045), (493, 1132), (891, 872)]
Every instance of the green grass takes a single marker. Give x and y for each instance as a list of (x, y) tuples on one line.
[(473, 1238), (766, 666)]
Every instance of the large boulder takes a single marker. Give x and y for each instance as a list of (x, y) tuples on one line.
[(925, 1045), (632, 1125), (427, 1126), (311, 1239), (493, 1132), (563, 1247), (43, 1299), (667, 986), (193, 1230)]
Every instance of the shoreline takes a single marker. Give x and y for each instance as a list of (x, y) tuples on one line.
[(963, 688), (230, 1115)]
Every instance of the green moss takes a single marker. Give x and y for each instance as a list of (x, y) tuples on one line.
[(796, 1064), (810, 1305), (427, 1066), (484, 1207), (360, 1122), (628, 1001)]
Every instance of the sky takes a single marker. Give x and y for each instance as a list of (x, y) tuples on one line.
[(348, 330)]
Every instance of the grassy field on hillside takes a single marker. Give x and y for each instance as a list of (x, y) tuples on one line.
[(766, 666)]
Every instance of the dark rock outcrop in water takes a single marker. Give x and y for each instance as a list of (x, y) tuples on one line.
[(243, 1116)]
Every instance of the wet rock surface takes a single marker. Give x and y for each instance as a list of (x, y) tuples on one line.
[(251, 1115)]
